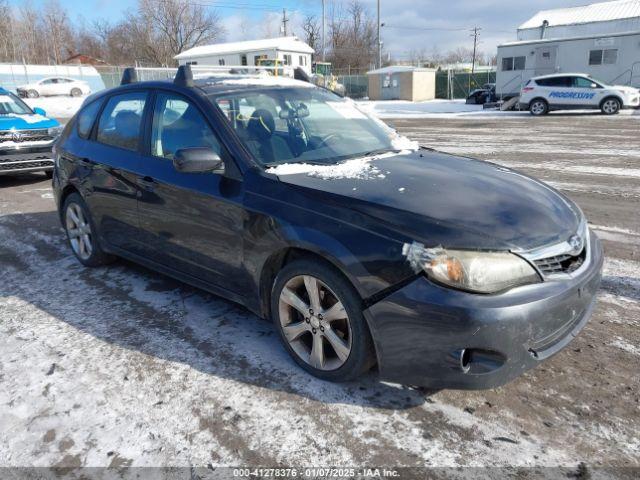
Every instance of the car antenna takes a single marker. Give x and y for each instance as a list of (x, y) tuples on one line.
[(129, 76), (184, 77)]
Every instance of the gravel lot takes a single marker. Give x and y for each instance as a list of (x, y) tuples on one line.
[(121, 366)]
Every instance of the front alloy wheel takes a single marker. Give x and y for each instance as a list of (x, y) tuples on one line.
[(319, 316), (611, 106), (315, 323)]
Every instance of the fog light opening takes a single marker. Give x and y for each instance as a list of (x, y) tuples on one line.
[(465, 360)]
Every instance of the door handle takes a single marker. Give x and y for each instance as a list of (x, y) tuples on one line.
[(147, 183)]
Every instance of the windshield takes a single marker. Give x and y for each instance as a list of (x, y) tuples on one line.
[(12, 105), (302, 125)]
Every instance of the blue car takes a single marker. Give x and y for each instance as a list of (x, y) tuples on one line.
[(26, 137)]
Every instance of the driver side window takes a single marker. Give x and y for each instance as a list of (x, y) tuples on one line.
[(178, 124)]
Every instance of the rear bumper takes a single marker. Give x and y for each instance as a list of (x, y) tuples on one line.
[(22, 160), (436, 337)]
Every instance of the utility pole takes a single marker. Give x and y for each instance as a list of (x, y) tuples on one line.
[(379, 39), (324, 41), (475, 33), (285, 20)]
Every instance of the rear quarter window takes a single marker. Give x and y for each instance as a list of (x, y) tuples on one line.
[(87, 117)]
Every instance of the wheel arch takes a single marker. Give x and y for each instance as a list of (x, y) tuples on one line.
[(279, 259), (66, 191), (610, 96)]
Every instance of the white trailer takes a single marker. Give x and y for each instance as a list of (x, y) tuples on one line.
[(613, 58), (289, 51)]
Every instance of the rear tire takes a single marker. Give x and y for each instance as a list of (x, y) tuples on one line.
[(341, 333), (76, 92), (611, 106), (539, 107), (82, 233)]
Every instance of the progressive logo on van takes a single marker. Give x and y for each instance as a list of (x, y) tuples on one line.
[(573, 95)]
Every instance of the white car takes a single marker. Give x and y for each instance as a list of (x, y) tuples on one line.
[(565, 91), (54, 86)]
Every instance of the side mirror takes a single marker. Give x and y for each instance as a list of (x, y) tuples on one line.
[(198, 160), (39, 111), (594, 85)]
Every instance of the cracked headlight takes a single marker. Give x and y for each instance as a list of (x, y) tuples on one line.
[(54, 131), (472, 271)]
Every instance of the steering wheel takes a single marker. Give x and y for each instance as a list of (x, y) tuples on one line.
[(328, 137)]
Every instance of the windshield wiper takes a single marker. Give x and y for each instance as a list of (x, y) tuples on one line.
[(379, 151)]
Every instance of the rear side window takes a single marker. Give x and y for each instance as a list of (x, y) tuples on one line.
[(120, 124), (86, 119), (555, 82)]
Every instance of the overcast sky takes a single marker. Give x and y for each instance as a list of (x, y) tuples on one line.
[(406, 20)]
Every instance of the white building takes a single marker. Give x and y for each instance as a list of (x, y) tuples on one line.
[(602, 40), (290, 51)]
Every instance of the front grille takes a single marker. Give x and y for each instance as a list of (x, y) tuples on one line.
[(561, 263), (26, 136)]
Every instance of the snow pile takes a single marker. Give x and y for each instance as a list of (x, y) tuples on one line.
[(57, 107), (266, 81), (406, 109), (399, 142)]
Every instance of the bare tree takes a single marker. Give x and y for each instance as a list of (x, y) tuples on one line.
[(352, 33), (166, 28), (312, 32)]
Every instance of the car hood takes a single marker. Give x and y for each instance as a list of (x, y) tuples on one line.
[(625, 89), (26, 122), (440, 199)]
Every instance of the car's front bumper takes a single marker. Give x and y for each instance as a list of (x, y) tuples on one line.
[(436, 337), (26, 159)]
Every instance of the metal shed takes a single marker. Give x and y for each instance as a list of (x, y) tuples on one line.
[(402, 83)]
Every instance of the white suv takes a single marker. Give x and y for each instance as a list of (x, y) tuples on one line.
[(575, 91)]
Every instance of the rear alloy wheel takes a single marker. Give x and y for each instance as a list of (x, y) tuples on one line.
[(33, 94), (610, 106), (538, 108), (320, 321), (81, 233), (76, 92)]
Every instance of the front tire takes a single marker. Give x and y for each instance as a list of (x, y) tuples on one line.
[(82, 233), (611, 106), (319, 317), (539, 107), (76, 92), (32, 94)]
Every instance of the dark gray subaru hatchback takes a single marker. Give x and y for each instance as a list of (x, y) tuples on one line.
[(363, 248)]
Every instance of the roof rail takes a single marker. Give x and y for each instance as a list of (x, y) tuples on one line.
[(184, 77), (129, 76)]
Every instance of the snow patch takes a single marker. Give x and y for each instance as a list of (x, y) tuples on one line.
[(626, 346), (57, 107), (267, 81)]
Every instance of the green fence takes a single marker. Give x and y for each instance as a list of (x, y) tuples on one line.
[(356, 86), (459, 84)]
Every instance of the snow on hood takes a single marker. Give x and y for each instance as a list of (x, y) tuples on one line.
[(356, 168)]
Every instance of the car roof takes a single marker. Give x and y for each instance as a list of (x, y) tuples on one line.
[(556, 75), (213, 85)]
